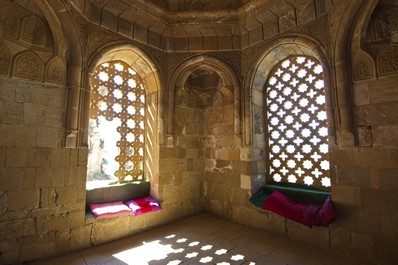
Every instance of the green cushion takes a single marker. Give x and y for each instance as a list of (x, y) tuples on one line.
[(259, 198), (119, 192), (297, 192)]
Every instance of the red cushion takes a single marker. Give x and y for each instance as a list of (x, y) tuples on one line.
[(281, 204), (143, 205), (111, 209)]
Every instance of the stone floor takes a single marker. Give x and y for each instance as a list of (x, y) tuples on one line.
[(202, 239)]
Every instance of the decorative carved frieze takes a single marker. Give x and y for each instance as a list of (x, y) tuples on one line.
[(387, 61), (28, 65), (56, 71), (33, 31), (4, 59), (8, 20), (363, 67)]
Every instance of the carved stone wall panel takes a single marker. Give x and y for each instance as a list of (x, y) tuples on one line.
[(4, 59), (28, 65), (387, 61), (33, 31), (56, 71), (9, 22), (363, 67)]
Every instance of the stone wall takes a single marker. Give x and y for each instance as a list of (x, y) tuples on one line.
[(209, 138)]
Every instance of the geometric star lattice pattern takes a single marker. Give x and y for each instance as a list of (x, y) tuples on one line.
[(297, 123), (117, 96)]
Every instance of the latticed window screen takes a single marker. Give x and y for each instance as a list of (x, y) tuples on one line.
[(117, 112), (297, 123)]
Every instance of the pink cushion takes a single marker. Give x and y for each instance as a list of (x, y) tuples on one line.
[(106, 210), (306, 214), (320, 214), (281, 204), (143, 205)]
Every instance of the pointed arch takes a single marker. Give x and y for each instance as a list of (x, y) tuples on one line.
[(180, 74), (149, 74), (260, 69)]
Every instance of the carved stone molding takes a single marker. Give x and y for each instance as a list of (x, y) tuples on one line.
[(363, 67), (28, 65), (33, 31), (8, 20), (4, 59), (387, 61), (56, 71)]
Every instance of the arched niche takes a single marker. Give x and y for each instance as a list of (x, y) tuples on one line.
[(142, 64), (201, 73)]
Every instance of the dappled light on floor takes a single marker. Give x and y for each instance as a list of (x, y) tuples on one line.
[(174, 249)]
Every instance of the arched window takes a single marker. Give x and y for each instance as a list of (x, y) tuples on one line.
[(297, 128), (116, 125)]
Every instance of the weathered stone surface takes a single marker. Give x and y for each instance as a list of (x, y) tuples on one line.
[(12, 178), (110, 229), (30, 201), (317, 235), (17, 157), (32, 247)]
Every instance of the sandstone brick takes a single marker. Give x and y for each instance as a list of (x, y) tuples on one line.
[(39, 157), (340, 238), (17, 157), (362, 246), (240, 214), (110, 229), (361, 93), (44, 178), (71, 176), (388, 219), (317, 235), (17, 228), (81, 193), (10, 251), (363, 221), (60, 157), (245, 182), (49, 137), (73, 158), (29, 181), (3, 151), (3, 202), (388, 179), (353, 176), (66, 195), (33, 247), (18, 136), (11, 178), (346, 195), (56, 222), (386, 136), (30, 201), (172, 194), (378, 199), (33, 114), (82, 175), (385, 251), (48, 198), (12, 113), (73, 239), (50, 177), (83, 156)]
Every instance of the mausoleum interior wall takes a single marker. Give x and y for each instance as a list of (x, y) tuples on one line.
[(205, 80)]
